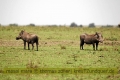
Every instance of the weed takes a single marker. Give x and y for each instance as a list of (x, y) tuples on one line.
[(63, 47)]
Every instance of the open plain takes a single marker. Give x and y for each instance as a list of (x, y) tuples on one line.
[(59, 48)]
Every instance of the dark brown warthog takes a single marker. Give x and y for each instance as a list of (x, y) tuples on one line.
[(29, 38), (91, 39)]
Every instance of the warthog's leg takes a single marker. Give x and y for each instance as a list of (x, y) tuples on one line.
[(32, 46), (37, 46), (81, 44), (96, 46), (28, 46), (24, 44), (93, 46)]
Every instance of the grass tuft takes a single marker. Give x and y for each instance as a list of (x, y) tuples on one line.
[(63, 47)]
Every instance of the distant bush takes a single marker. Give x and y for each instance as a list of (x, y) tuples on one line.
[(52, 26), (107, 26), (91, 25), (13, 24), (73, 24), (81, 25), (119, 25), (31, 24)]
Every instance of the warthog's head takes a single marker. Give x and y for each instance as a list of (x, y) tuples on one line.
[(99, 37), (20, 35)]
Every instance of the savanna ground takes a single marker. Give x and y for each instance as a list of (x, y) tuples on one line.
[(59, 48)]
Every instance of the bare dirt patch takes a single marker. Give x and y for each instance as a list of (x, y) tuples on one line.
[(52, 43), (10, 43), (112, 43), (60, 43)]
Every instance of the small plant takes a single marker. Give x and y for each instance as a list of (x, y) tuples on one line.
[(63, 47), (101, 49), (113, 39), (31, 65)]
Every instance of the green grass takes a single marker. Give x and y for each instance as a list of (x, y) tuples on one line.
[(59, 48)]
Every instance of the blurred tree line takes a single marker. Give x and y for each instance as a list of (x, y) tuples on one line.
[(73, 24), (14, 24)]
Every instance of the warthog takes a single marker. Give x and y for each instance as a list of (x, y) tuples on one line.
[(29, 38), (91, 39)]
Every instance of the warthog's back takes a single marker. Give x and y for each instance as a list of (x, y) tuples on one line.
[(88, 39), (30, 37)]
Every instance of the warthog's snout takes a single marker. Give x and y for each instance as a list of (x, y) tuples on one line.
[(17, 38), (101, 40)]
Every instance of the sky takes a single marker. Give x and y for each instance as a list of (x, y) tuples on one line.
[(60, 12)]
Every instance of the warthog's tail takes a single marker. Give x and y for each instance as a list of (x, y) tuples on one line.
[(37, 40)]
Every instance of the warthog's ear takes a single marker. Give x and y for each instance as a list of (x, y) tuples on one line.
[(22, 31), (96, 33)]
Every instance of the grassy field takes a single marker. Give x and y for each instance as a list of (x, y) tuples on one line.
[(59, 48)]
